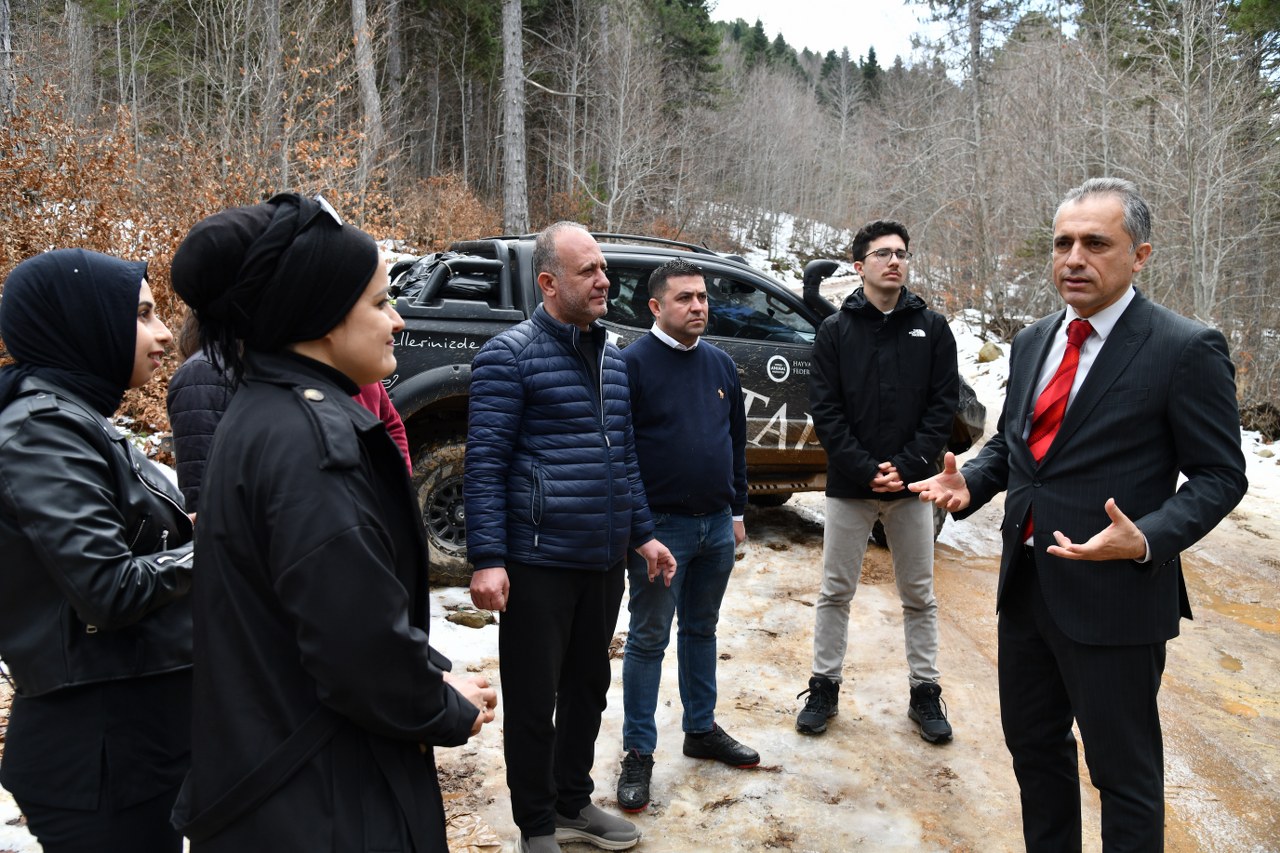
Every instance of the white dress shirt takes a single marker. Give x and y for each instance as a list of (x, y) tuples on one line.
[(1103, 323)]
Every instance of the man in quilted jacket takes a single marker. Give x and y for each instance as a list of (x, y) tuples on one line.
[(554, 501)]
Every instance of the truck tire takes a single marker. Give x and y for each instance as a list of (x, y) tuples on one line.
[(769, 499), (939, 519), (437, 479)]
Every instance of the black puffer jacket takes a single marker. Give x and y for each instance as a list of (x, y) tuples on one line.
[(311, 591), (95, 543), (884, 388), (198, 396)]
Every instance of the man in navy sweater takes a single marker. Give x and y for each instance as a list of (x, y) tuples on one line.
[(690, 433)]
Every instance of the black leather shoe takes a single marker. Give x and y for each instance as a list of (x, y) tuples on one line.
[(633, 781), (718, 745)]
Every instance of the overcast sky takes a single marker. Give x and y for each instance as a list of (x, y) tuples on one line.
[(822, 25)]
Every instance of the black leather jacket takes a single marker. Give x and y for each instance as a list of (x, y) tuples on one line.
[(96, 549)]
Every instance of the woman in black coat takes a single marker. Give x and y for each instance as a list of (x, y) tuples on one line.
[(94, 624), (317, 696)]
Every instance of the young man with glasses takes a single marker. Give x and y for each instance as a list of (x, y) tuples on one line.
[(883, 394)]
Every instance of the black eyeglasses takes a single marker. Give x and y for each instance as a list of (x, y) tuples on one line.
[(884, 254)]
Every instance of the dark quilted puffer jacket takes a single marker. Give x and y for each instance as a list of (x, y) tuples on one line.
[(551, 474)]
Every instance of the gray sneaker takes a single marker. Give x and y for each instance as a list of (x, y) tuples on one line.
[(538, 844), (596, 826)]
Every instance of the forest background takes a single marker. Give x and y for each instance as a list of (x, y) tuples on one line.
[(123, 122)]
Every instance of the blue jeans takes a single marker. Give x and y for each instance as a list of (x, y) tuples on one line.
[(704, 550)]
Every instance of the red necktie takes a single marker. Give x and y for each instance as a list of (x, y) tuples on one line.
[(1051, 405)]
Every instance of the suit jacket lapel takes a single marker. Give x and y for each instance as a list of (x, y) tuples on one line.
[(1131, 331)]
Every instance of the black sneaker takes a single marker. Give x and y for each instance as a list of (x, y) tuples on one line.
[(823, 703), (633, 782), (930, 712), (719, 745)]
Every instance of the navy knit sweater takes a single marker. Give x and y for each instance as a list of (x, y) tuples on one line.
[(690, 427)]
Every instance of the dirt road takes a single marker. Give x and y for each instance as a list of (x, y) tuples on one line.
[(870, 782)]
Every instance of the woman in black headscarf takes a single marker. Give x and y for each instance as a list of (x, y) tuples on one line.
[(94, 624), (317, 696)]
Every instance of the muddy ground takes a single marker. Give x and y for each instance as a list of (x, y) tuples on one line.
[(870, 782)]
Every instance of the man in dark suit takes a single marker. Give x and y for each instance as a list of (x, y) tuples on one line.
[(1099, 420)]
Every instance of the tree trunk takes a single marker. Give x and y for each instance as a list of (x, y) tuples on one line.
[(395, 112), (984, 256), (515, 186), (272, 103), (370, 102), (8, 80), (81, 55)]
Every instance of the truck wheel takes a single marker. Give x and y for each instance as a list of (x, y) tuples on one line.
[(939, 519), (437, 478), (769, 499)]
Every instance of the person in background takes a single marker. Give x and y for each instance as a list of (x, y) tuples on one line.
[(197, 397), (554, 502), (1109, 402), (691, 441), (883, 393), (318, 698), (95, 626)]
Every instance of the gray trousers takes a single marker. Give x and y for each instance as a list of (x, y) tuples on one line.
[(908, 525)]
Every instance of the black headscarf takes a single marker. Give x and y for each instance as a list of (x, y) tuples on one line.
[(271, 274), (71, 316)]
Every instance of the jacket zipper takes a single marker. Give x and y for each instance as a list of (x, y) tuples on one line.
[(137, 534), (604, 433), (137, 472), (536, 499)]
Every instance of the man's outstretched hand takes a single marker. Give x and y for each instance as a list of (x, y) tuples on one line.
[(946, 489)]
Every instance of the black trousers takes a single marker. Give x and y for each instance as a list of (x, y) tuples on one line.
[(1046, 681), (553, 656), (96, 768), (140, 828)]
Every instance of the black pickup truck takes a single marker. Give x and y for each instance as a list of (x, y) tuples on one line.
[(453, 302)]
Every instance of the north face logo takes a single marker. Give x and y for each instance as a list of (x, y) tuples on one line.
[(916, 333)]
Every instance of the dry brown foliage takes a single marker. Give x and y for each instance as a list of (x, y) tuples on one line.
[(61, 185), (443, 209), (101, 188), (576, 206)]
